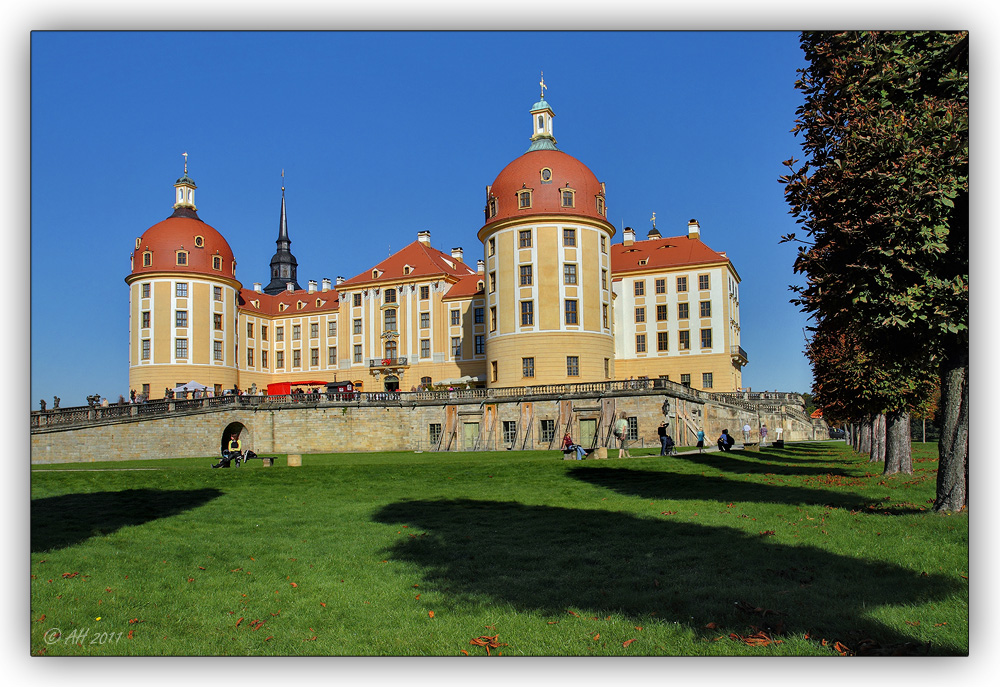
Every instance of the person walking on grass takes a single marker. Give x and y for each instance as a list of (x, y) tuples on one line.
[(621, 429), (746, 432)]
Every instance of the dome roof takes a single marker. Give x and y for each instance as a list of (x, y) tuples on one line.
[(183, 231), (526, 173)]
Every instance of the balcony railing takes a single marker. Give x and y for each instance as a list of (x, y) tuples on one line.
[(387, 362), (738, 352)]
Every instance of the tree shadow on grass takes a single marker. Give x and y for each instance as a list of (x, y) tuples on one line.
[(61, 521), (670, 485), (752, 462), (553, 560)]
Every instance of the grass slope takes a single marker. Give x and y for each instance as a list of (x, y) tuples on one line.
[(806, 550)]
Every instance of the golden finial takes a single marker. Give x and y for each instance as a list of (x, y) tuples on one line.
[(542, 84), (185, 164), (653, 220)]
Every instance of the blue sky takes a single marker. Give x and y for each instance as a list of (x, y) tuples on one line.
[(382, 135)]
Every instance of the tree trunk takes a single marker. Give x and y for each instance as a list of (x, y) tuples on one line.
[(878, 439), (898, 457), (953, 446), (866, 437)]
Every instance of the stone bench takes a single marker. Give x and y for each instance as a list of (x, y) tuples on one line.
[(599, 453), (266, 461)]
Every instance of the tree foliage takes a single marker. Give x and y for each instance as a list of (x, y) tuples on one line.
[(883, 196)]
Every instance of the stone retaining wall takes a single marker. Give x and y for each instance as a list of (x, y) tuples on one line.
[(329, 428)]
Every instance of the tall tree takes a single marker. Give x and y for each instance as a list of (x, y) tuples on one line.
[(883, 194)]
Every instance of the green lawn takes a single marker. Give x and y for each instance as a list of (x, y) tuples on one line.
[(783, 552)]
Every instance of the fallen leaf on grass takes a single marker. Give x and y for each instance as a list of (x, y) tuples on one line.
[(935, 624), (841, 649), (430, 614), (294, 585), (760, 638), (322, 604), (311, 639), (572, 613), (712, 626), (239, 621), (627, 642), (464, 652), (913, 623), (269, 638), (417, 597), (74, 574), (190, 579), (597, 636), (201, 567), (767, 533), (487, 642), (552, 622)]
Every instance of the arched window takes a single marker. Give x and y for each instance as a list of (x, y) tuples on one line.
[(390, 320)]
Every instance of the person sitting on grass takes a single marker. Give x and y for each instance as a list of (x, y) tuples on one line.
[(568, 446), (726, 441)]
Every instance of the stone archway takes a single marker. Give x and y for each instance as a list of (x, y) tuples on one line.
[(246, 438), (391, 383)]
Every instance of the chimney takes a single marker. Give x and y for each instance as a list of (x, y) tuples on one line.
[(457, 253), (481, 266), (326, 283), (628, 236), (340, 280), (289, 286), (424, 237), (312, 286), (694, 230), (257, 287)]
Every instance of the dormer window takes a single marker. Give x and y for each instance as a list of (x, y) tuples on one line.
[(182, 257), (217, 262), (568, 198), (546, 175), (524, 198), (600, 205), (492, 206), (199, 241), (147, 259), (407, 269)]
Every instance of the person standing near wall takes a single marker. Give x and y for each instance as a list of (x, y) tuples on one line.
[(701, 440), (661, 432), (621, 430)]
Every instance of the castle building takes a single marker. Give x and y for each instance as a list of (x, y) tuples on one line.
[(552, 300)]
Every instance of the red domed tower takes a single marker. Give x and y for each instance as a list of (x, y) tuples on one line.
[(182, 302), (547, 242)]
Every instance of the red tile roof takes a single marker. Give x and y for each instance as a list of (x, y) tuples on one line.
[(423, 261), (271, 305), (466, 287), (669, 252)]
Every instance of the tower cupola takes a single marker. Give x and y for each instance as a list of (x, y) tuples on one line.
[(541, 122), (284, 266), (184, 190)]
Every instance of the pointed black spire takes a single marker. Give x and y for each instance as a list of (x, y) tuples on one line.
[(283, 265)]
